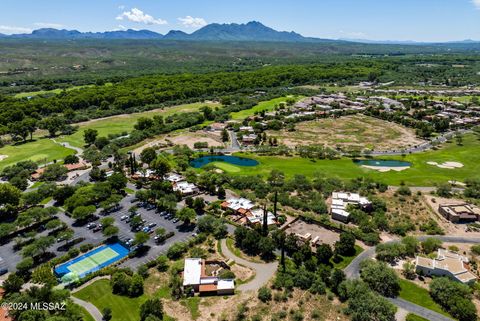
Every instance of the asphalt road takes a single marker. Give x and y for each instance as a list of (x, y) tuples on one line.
[(352, 271), (263, 272)]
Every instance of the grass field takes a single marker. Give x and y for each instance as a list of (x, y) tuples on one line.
[(124, 123), (420, 174), (268, 105), (53, 91), (100, 294), (411, 292), (40, 150), (414, 317)]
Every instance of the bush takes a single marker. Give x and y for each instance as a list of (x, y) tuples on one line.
[(264, 294)]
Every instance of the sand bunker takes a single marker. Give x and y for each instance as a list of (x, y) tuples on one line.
[(446, 165), (2, 157), (384, 169)]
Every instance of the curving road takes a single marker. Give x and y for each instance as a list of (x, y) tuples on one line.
[(94, 312), (352, 271), (263, 272)]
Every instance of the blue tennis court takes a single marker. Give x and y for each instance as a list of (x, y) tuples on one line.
[(92, 261)]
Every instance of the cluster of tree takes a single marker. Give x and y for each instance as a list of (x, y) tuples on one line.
[(454, 297), (158, 89), (409, 246), (127, 284), (212, 225), (18, 174), (254, 242)]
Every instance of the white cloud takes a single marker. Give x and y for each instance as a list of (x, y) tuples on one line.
[(12, 30), (48, 25), (191, 22), (122, 27), (138, 16), (476, 3), (121, 7)]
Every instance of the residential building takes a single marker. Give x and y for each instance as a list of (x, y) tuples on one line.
[(340, 202), (185, 188), (195, 276), (447, 264), (460, 213)]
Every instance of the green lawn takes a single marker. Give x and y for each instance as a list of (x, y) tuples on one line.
[(192, 305), (40, 150), (420, 296), (229, 168), (264, 105), (124, 123), (53, 91), (420, 173), (414, 317), (100, 295), (346, 260)]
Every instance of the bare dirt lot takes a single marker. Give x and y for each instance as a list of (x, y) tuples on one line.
[(185, 138), (302, 228), (356, 131)]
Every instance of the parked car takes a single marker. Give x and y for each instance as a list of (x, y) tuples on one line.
[(91, 225), (3, 271), (98, 228), (124, 217), (175, 220), (152, 225)]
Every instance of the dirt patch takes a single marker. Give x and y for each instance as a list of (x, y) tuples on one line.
[(242, 273), (187, 138), (302, 228), (356, 131)]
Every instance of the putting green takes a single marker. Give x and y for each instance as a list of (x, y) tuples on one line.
[(229, 168), (92, 261)]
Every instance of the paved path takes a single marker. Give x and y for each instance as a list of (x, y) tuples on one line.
[(94, 312), (352, 271), (263, 272)]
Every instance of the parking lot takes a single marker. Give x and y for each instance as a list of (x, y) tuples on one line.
[(9, 258)]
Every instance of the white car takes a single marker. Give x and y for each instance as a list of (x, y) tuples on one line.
[(124, 217)]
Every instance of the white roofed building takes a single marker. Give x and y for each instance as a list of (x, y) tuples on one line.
[(340, 202)]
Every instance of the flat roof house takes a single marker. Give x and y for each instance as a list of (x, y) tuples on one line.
[(185, 188), (447, 264), (340, 201), (194, 276), (460, 213)]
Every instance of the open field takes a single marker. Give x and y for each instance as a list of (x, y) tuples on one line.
[(358, 131), (183, 137), (124, 123), (100, 294), (41, 150), (420, 174), (267, 106), (53, 91)]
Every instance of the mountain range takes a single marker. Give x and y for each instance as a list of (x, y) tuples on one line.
[(251, 31)]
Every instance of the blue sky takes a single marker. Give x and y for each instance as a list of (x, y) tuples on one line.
[(421, 20)]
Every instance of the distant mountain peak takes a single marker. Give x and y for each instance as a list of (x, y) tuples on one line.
[(250, 31)]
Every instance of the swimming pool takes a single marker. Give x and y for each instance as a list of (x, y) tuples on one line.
[(234, 160)]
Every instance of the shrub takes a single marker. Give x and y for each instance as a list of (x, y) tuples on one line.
[(264, 294)]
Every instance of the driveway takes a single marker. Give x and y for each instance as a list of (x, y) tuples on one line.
[(263, 272)]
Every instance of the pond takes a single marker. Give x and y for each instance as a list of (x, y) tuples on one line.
[(234, 160), (381, 163)]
